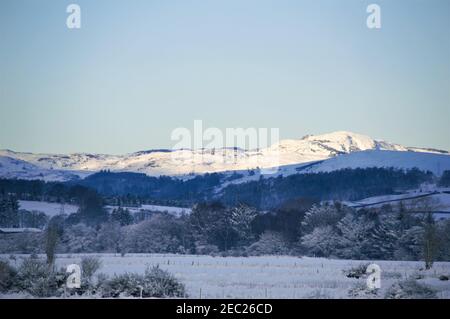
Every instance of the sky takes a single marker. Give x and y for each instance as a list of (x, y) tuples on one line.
[(136, 70)]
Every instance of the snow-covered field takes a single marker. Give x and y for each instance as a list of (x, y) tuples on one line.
[(267, 276), (53, 209), (50, 209), (176, 211), (441, 201), (437, 200)]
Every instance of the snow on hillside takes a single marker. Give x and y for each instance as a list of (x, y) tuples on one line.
[(346, 142), (436, 202), (50, 209), (180, 163), (20, 169), (435, 163)]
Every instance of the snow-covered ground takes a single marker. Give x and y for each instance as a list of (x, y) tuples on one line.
[(267, 276), (177, 211), (436, 200), (50, 209), (11, 167), (53, 209), (435, 163)]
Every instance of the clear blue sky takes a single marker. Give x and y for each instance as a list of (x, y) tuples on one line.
[(138, 69)]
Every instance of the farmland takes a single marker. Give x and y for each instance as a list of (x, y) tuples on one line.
[(266, 276)]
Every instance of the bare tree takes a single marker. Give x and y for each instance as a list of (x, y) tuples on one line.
[(430, 241), (51, 240), (428, 206), (53, 233)]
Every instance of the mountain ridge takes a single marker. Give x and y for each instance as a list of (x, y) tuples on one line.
[(182, 162)]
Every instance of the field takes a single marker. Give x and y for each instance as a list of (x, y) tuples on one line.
[(50, 209), (267, 276)]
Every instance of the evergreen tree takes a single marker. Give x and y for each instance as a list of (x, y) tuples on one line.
[(9, 207), (212, 224), (353, 231), (443, 229), (91, 208), (122, 216), (411, 244), (383, 239), (320, 216), (242, 217), (445, 179)]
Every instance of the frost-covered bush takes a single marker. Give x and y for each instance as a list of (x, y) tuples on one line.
[(360, 290), (7, 276), (409, 289), (160, 283), (270, 243), (89, 266), (356, 271), (36, 277), (122, 285), (154, 283)]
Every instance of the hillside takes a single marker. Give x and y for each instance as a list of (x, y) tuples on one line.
[(339, 146)]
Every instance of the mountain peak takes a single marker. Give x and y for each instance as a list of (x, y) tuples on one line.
[(346, 142), (339, 136)]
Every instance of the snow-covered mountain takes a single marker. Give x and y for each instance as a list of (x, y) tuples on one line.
[(286, 153), (16, 168)]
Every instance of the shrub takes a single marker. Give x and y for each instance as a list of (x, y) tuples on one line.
[(409, 289), (122, 285), (357, 271), (7, 276), (160, 283), (360, 290), (89, 266), (154, 283), (35, 277)]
